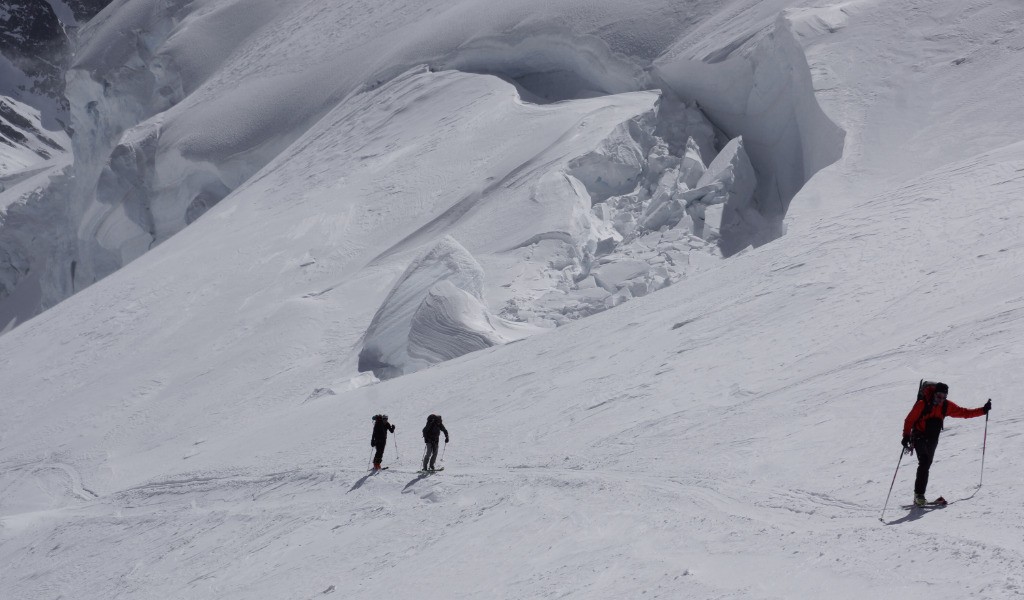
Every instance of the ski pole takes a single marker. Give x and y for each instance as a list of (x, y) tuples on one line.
[(882, 517), (369, 465), (396, 446), (984, 442), (442, 451)]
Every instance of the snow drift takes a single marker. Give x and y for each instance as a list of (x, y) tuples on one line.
[(434, 312)]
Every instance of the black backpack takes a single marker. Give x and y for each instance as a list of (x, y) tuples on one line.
[(926, 394), (433, 426)]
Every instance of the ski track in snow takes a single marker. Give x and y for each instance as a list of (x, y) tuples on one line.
[(199, 524)]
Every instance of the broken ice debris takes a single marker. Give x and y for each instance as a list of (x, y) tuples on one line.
[(691, 167), (730, 180), (612, 169)]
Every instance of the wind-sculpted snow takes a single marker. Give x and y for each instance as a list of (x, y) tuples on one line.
[(434, 312), (451, 321)]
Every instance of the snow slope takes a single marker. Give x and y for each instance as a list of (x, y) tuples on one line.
[(189, 427)]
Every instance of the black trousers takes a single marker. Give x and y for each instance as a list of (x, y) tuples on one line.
[(925, 449), (379, 456), (430, 455)]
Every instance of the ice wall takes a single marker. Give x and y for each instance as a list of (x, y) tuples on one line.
[(759, 86)]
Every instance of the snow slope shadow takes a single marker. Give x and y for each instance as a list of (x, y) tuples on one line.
[(549, 68), (359, 482), (413, 482), (914, 514)]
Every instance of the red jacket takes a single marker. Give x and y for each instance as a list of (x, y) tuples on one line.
[(916, 420)]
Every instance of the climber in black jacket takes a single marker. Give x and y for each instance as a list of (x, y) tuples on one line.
[(432, 436), (379, 439)]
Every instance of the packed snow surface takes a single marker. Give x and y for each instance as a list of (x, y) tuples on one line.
[(195, 424)]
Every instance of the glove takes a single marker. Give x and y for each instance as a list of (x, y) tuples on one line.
[(373, 444), (988, 406), (446, 440), (906, 442)]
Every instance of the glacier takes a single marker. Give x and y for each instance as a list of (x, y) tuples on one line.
[(149, 163)]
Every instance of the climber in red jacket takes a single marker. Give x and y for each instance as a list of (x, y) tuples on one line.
[(924, 423)]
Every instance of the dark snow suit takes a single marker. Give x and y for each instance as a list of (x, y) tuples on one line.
[(379, 439), (432, 436)]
